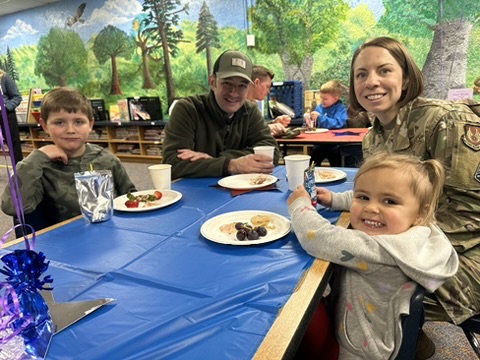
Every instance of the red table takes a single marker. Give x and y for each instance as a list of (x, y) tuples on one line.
[(338, 136)]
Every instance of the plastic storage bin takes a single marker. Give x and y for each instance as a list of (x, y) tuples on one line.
[(291, 94)]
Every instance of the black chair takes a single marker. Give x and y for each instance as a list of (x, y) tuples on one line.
[(471, 327), (43, 216), (412, 325), (351, 155)]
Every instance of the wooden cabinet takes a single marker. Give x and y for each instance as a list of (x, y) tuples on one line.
[(138, 141), (35, 98)]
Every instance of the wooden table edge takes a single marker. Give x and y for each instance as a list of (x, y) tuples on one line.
[(286, 332), (47, 229)]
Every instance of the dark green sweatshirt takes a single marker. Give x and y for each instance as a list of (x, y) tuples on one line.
[(198, 123)]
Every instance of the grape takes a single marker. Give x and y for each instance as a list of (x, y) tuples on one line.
[(241, 234), (262, 231), (252, 235), (239, 225)]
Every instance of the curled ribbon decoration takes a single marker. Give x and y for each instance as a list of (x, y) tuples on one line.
[(12, 321), (26, 326)]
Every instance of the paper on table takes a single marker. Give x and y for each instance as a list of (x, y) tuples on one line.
[(68, 313)]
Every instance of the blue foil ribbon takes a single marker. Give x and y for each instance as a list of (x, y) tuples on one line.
[(24, 312)]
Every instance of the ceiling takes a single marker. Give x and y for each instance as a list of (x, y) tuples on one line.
[(12, 6)]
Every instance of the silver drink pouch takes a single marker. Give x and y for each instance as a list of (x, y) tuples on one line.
[(95, 194), (309, 183)]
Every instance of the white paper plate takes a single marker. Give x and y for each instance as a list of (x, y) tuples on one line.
[(316, 131), (324, 175), (244, 181), (169, 197), (279, 226)]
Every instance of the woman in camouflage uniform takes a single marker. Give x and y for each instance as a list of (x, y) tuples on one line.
[(385, 81)]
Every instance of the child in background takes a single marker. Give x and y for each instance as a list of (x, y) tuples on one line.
[(394, 245), (46, 176), (330, 114)]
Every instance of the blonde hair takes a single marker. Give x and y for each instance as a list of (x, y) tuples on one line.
[(332, 87), (67, 99), (426, 178)]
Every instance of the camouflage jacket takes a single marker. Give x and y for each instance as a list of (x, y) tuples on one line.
[(448, 131), (52, 183)]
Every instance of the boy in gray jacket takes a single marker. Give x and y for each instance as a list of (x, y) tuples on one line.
[(46, 176)]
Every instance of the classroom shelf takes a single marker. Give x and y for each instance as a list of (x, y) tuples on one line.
[(136, 141)]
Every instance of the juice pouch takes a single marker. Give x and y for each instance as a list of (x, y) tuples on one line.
[(95, 194), (309, 183)]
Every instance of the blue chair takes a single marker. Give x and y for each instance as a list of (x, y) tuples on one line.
[(471, 327), (412, 325)]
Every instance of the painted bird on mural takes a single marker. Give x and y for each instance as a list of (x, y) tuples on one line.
[(78, 15)]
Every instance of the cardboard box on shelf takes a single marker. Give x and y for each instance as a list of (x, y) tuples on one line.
[(312, 99), (123, 108)]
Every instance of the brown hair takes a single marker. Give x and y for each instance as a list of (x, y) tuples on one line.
[(426, 178), (411, 72), (67, 99), (261, 72), (332, 87)]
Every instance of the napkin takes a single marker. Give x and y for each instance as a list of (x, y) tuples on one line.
[(346, 133), (235, 192)]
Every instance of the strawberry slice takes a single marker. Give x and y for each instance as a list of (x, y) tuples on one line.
[(132, 203)]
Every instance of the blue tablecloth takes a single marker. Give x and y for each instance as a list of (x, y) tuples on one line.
[(177, 294)]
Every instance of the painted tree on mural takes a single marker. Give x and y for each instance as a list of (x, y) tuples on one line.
[(7, 63), (207, 35), (146, 49), (111, 43), (359, 25), (295, 30), (162, 28), (446, 64), (61, 58)]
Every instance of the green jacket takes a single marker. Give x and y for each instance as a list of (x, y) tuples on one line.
[(43, 180), (198, 123), (450, 132)]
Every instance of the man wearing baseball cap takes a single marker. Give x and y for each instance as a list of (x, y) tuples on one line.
[(214, 134)]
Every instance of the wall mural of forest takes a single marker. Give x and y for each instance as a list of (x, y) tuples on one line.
[(114, 49)]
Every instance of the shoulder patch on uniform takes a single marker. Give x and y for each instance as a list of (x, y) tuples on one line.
[(477, 174), (471, 136)]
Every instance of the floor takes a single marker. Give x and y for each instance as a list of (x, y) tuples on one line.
[(450, 341)]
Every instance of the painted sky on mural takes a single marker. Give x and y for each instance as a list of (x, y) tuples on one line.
[(26, 28)]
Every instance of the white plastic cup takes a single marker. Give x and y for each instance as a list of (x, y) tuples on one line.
[(265, 150), (296, 166), (161, 175)]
